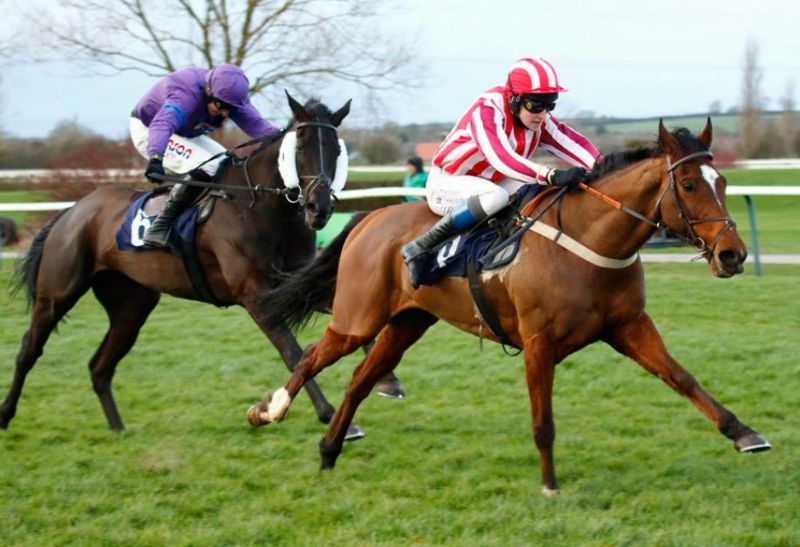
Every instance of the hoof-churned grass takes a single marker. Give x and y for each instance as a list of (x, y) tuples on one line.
[(454, 463)]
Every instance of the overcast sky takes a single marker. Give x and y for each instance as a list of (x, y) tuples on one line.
[(617, 58)]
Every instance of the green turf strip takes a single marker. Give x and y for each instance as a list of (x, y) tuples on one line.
[(452, 464)]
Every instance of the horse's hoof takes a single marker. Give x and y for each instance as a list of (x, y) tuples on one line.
[(551, 492), (326, 465), (752, 442), (257, 415), (393, 390), (354, 433)]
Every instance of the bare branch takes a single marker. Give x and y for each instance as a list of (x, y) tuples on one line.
[(297, 43)]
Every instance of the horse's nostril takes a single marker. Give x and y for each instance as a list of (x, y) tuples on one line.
[(312, 207), (729, 258)]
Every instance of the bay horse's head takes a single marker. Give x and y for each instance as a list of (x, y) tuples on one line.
[(692, 202), (313, 160)]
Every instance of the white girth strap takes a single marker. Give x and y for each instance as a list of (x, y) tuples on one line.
[(577, 248)]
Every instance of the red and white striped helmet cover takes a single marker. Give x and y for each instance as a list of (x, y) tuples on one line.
[(532, 75)]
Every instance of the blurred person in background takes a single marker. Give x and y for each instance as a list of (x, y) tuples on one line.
[(415, 177)]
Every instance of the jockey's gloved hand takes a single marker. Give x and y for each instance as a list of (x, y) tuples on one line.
[(567, 177), (154, 167)]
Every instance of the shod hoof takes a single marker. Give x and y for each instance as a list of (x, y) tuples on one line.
[(751, 443), (551, 492), (354, 433), (257, 415)]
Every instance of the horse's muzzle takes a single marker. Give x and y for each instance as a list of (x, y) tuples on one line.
[(316, 217), (728, 262)]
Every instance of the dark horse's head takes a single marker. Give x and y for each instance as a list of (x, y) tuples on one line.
[(313, 160)]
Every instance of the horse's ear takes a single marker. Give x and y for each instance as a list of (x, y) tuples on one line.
[(665, 138), (339, 115), (300, 113), (705, 135)]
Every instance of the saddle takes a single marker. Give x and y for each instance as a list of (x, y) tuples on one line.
[(141, 214), (492, 244), (486, 246)]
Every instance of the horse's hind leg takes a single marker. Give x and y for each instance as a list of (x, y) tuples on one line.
[(128, 304), (640, 341), (46, 314), (401, 332), (286, 344)]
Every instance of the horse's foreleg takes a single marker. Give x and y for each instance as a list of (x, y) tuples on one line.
[(128, 305), (401, 332), (640, 341), (539, 375), (318, 356)]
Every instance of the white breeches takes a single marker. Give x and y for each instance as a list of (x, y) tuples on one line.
[(444, 191), (183, 153)]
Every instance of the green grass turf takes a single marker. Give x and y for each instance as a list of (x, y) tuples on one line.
[(452, 464)]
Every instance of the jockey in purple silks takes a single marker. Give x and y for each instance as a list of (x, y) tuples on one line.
[(168, 127)]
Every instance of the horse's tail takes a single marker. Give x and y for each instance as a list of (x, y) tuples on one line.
[(310, 288), (26, 271)]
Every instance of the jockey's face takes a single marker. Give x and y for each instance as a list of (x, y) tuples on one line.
[(217, 108), (534, 108), (532, 120)]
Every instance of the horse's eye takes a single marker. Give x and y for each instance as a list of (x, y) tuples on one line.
[(688, 185)]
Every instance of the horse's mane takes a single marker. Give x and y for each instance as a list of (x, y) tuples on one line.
[(314, 105), (616, 161)]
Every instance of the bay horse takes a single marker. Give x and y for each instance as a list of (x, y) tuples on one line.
[(261, 230), (550, 301)]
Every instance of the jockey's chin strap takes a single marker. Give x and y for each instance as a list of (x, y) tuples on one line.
[(691, 237)]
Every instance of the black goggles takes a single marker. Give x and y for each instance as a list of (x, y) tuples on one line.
[(221, 105), (536, 106)]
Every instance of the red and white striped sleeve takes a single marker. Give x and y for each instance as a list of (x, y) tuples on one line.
[(564, 142), (489, 135)]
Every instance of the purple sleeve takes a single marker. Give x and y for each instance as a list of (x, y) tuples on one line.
[(171, 116), (250, 121), (164, 124)]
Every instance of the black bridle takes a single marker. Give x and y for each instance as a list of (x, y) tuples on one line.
[(320, 179), (292, 195), (691, 237)]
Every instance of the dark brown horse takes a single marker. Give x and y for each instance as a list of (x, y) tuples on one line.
[(263, 229), (551, 301)]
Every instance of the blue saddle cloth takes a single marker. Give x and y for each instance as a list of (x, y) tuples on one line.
[(451, 258), (136, 223)]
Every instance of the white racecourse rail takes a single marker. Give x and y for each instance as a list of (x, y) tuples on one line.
[(746, 191), (398, 191)]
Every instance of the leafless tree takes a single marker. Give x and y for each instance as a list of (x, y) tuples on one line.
[(789, 123), (301, 44), (750, 114)]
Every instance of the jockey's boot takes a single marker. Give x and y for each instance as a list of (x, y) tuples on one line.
[(462, 217), (180, 197)]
